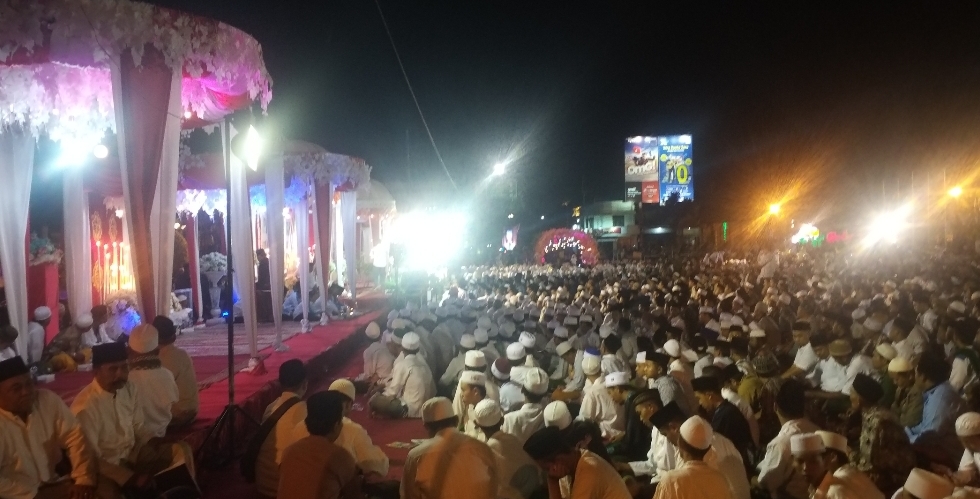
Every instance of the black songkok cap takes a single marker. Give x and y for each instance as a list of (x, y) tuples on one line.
[(11, 368)]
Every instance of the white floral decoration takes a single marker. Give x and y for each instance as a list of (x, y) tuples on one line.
[(214, 262)]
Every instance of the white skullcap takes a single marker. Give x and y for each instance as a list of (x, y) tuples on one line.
[(563, 348), (574, 311), (343, 385), (723, 362), (570, 321), (871, 324), (697, 432), (527, 340), (561, 332), (689, 355), (467, 341), (487, 413), (927, 485), (899, 365), (585, 318), (515, 352), (887, 351), (519, 316), (417, 316), (968, 424), (144, 338), (738, 321), (725, 324), (556, 414), (493, 332), (757, 333), (707, 310), (411, 341), (442, 312), (785, 299), (617, 379), (672, 348), (725, 316), (804, 443), (437, 409), (605, 330), (957, 306), (641, 357), (84, 320), (834, 441), (473, 378), (373, 331), (554, 325), (858, 314), (475, 358), (536, 381), (975, 296), (484, 322), (399, 323), (590, 365), (507, 329), (481, 335), (42, 313)]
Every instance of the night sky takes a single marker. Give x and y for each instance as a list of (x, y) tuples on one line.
[(847, 99)]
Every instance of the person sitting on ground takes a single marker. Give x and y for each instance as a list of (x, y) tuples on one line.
[(292, 380), (597, 406), (177, 361), (65, 351), (36, 428), (155, 385), (822, 459), (695, 478), (776, 470), (907, 405), (112, 421), (410, 386), (922, 484), (519, 476), (590, 475), (529, 418), (884, 452), (935, 436), (36, 334), (96, 334), (378, 361), (315, 466), (448, 465), (370, 459)]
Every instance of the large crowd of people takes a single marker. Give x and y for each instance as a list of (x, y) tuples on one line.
[(793, 375)]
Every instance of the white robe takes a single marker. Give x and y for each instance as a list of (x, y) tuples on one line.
[(411, 382), (599, 407), (523, 422)]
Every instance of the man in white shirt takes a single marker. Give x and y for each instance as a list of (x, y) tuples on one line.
[(36, 334), (805, 363), (378, 361), (822, 459), (966, 363), (610, 361), (449, 464), (837, 373), (95, 334), (519, 476), (112, 421), (529, 418), (155, 384), (370, 459), (35, 428), (449, 379), (410, 386), (922, 302), (179, 363), (472, 390), (597, 405), (292, 379), (511, 394), (776, 470), (907, 338)]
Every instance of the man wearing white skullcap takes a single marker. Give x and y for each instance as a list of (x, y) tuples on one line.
[(472, 390), (907, 404), (378, 361), (67, 349), (482, 338), (694, 478), (519, 475), (517, 356), (447, 383), (448, 462), (36, 334), (410, 386), (556, 414), (529, 418), (968, 431), (597, 405), (922, 484), (155, 385)]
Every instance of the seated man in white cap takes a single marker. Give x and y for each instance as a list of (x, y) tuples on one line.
[(573, 379), (410, 386), (449, 379), (517, 357), (519, 476), (370, 459), (560, 459), (907, 404), (694, 478), (529, 343), (36, 334), (65, 350), (378, 361), (597, 405), (610, 361), (112, 421), (96, 334), (155, 385), (922, 484), (472, 390), (557, 414), (448, 464), (178, 362), (529, 418), (822, 459), (35, 428), (482, 337), (968, 472)]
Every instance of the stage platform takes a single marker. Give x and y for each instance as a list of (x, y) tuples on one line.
[(323, 350)]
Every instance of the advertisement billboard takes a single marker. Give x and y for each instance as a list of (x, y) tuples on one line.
[(659, 169)]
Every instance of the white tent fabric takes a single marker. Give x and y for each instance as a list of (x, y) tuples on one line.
[(373, 195), (274, 190), (337, 245), (78, 244), (241, 247), (16, 170), (322, 268), (165, 202), (301, 216), (348, 212)]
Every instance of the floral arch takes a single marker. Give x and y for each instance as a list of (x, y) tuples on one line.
[(570, 243)]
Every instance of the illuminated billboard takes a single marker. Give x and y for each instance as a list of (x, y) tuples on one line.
[(658, 169)]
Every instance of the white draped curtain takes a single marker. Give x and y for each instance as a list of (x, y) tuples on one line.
[(301, 221), (275, 187), (337, 242), (241, 247), (322, 268), (348, 213), (162, 214), (16, 170), (78, 244)]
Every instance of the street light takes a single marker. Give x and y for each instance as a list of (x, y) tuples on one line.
[(510, 216), (956, 191), (499, 169), (774, 209)]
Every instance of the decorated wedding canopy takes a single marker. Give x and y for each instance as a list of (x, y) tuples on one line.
[(569, 243), (74, 69)]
